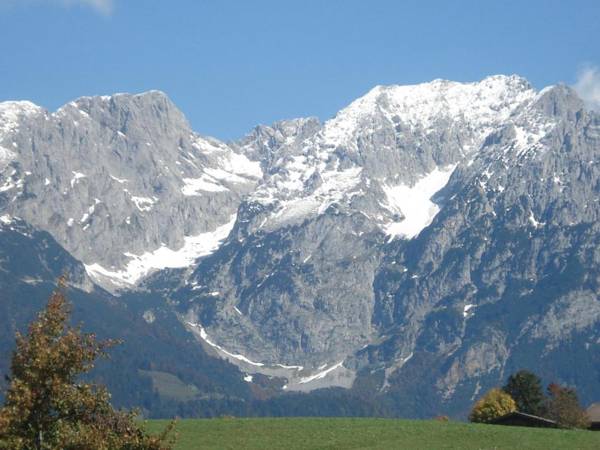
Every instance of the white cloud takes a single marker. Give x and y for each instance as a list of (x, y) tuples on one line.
[(588, 87), (104, 7)]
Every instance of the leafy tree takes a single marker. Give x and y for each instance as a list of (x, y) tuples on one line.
[(525, 388), (563, 407), (47, 407), (495, 403)]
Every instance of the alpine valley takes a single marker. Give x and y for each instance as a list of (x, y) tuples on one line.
[(399, 259)]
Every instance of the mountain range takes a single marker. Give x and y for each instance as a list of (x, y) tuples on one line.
[(398, 259)]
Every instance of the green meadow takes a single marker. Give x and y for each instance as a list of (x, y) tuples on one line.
[(351, 433)]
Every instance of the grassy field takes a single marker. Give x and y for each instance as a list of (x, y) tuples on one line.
[(169, 386), (323, 433)]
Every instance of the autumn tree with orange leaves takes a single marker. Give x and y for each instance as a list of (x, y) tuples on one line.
[(47, 405)]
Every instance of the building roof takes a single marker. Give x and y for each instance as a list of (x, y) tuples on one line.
[(516, 417), (593, 412)]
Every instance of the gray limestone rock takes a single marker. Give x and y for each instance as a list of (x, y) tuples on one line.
[(424, 242), (113, 178)]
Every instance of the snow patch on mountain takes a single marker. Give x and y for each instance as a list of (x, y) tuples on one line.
[(530, 128), (226, 353), (141, 265), (76, 177), (414, 203), (119, 180), (467, 308), (322, 374), (196, 186), (335, 186), (223, 169), (534, 222), (144, 204), (11, 183), (230, 166), (297, 380)]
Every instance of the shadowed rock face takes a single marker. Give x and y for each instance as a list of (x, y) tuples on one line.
[(424, 242)]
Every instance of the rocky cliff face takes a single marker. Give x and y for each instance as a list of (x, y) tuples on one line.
[(513, 245), (121, 181), (424, 242), (313, 235)]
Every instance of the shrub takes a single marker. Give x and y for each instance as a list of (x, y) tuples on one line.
[(563, 407), (495, 403)]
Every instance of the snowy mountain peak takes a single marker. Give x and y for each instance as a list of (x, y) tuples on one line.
[(18, 108), (11, 113), (481, 104), (131, 163), (122, 182), (364, 159), (119, 111), (154, 95), (264, 142)]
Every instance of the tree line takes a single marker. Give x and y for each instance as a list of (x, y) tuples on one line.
[(523, 392)]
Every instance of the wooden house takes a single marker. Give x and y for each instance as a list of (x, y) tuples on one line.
[(520, 419)]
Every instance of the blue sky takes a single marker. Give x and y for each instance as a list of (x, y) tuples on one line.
[(230, 65)]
